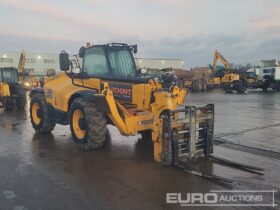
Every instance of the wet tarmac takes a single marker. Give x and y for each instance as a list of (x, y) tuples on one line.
[(50, 172)]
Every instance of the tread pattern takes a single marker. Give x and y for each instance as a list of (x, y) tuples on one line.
[(46, 125), (21, 100), (96, 129)]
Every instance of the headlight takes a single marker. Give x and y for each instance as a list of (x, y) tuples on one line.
[(27, 84)]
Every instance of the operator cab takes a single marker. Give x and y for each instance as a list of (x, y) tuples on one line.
[(113, 61), (8, 75), (268, 73), (109, 60)]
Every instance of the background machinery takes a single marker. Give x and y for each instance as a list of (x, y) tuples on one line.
[(251, 78), (12, 94), (269, 75), (108, 90), (229, 81), (25, 79)]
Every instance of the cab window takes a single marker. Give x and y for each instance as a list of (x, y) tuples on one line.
[(122, 62), (95, 61)]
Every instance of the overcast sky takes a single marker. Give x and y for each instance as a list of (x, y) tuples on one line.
[(243, 30)]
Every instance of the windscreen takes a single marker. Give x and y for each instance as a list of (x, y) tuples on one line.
[(122, 62), (95, 61), (266, 71), (8, 75), (251, 74)]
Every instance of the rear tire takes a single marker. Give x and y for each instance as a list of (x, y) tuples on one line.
[(39, 115), (87, 124), (240, 86), (17, 90), (8, 106), (264, 88), (197, 85)]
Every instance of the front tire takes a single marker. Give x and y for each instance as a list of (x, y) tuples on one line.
[(40, 118), (87, 124)]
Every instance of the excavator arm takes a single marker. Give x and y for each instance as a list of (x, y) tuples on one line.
[(21, 66), (219, 56)]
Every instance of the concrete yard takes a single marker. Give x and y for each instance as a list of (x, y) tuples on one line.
[(50, 172)]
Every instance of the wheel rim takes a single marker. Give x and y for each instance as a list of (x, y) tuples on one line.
[(35, 113), (76, 123)]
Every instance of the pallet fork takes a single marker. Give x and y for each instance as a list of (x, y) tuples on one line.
[(189, 131)]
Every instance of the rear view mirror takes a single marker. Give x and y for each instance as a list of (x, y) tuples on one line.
[(134, 48), (82, 52), (64, 61)]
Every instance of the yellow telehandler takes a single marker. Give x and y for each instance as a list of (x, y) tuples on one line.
[(106, 89)]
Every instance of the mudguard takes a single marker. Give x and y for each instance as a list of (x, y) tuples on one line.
[(93, 96)]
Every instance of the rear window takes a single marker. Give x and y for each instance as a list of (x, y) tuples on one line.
[(8, 75)]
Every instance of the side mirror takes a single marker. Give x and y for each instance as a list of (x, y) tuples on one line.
[(82, 52), (64, 61), (134, 48)]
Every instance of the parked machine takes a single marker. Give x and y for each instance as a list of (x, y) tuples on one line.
[(12, 95), (229, 81), (25, 79), (214, 80), (270, 78), (108, 90), (251, 78)]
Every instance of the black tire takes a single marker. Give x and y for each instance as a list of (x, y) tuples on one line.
[(197, 85), (93, 124), (240, 87), (8, 106), (278, 88), (204, 85), (46, 125), (264, 88), (18, 91), (226, 88)]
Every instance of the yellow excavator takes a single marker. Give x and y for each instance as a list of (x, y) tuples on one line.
[(27, 81), (229, 81)]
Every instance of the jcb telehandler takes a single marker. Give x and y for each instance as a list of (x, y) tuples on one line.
[(12, 94), (106, 89)]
